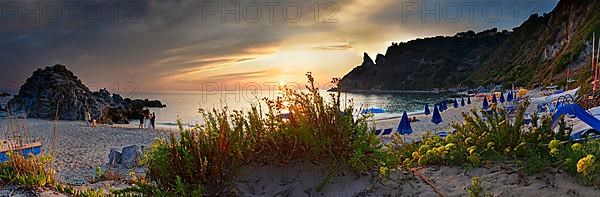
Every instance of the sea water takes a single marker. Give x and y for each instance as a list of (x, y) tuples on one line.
[(185, 105)]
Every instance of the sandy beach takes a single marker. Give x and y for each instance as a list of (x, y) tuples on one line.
[(450, 116), (80, 149)]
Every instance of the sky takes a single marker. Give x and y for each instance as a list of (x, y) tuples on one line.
[(195, 45)]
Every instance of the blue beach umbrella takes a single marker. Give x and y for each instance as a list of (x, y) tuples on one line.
[(485, 103), (455, 105), (427, 112), (373, 110), (494, 100), (468, 100), (509, 97), (436, 118), (501, 97), (404, 126), (442, 106), (462, 102)]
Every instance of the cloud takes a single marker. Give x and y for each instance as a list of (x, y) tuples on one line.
[(160, 41)]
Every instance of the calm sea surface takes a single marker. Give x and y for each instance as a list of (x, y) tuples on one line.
[(185, 105)]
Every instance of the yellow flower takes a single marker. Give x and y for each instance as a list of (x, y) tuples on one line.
[(469, 140), (450, 146), (554, 152), (490, 145), (423, 149), (415, 155), (576, 147), (554, 144), (585, 165), (383, 170), (472, 149)]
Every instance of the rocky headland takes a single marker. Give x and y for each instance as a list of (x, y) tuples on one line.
[(55, 92)]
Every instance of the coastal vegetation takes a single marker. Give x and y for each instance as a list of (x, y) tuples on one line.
[(500, 138), (209, 156), (303, 125)]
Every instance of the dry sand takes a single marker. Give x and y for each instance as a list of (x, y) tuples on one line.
[(79, 148), (303, 179), (449, 117)]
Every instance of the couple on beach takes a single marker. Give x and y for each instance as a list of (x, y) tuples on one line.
[(149, 119)]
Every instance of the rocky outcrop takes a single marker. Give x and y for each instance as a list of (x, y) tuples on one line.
[(424, 64), (55, 92), (538, 51)]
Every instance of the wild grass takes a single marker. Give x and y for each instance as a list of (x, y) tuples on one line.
[(32, 171), (209, 156)]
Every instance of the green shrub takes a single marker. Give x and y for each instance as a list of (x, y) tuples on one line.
[(207, 157), (500, 137), (31, 171)]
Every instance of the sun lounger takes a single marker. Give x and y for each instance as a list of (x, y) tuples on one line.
[(581, 114), (584, 135), (377, 132), (387, 132)]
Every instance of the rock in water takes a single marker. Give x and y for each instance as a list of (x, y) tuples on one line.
[(55, 92)]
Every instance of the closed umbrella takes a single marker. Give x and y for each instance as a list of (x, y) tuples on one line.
[(462, 102), (494, 100), (485, 103), (468, 100), (427, 112), (509, 97), (404, 126), (501, 97), (455, 105), (436, 118)]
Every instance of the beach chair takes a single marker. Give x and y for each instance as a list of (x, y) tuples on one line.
[(387, 132), (585, 135), (581, 114), (377, 132)]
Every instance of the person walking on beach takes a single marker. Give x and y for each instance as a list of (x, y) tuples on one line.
[(88, 118), (153, 120), (142, 121)]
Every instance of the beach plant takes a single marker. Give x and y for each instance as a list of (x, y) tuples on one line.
[(31, 171), (297, 125), (505, 137)]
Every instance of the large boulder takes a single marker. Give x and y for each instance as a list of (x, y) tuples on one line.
[(128, 158), (131, 156), (51, 88), (55, 92), (114, 158)]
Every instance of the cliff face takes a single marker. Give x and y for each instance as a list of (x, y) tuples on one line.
[(538, 51), (425, 63)]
